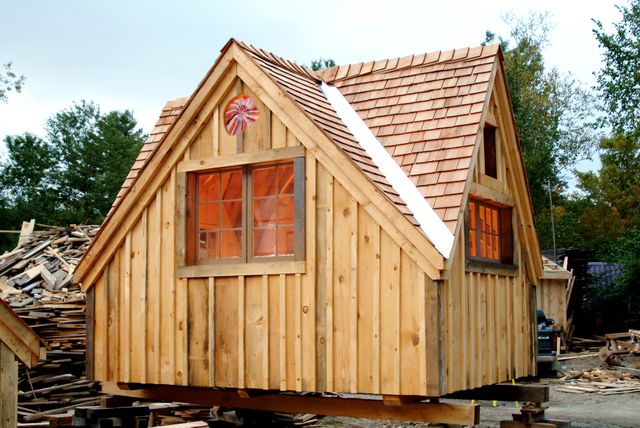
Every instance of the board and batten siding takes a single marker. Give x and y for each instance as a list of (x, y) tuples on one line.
[(360, 317)]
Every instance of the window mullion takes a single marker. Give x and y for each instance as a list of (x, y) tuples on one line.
[(247, 202)]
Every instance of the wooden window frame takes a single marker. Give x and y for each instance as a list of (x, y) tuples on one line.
[(192, 267), (506, 243)]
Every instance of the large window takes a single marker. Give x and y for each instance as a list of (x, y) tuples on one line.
[(489, 231), (249, 213)]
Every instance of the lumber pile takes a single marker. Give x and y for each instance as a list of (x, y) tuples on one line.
[(600, 381), (36, 281), (624, 342)]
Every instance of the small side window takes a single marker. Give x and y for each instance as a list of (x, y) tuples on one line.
[(490, 156), (489, 232)]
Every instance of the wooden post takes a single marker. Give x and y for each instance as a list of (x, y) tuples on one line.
[(8, 387)]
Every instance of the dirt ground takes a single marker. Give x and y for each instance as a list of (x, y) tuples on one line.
[(582, 410)]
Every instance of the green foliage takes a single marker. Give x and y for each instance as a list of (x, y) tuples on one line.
[(551, 110), (619, 79), (9, 81), (321, 64), (74, 175), (616, 186)]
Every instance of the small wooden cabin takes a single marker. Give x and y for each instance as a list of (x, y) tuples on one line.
[(554, 291), (364, 229), (17, 342)]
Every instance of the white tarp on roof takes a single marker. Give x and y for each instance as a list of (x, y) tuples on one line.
[(435, 229)]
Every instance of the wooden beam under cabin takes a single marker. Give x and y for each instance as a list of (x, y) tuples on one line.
[(505, 392), (448, 413)]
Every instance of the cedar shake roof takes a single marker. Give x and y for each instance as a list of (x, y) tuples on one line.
[(426, 110), (303, 86)]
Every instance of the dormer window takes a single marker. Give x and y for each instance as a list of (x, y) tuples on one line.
[(490, 155), (489, 232)]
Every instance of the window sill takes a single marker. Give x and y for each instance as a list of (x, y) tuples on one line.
[(491, 268), (242, 269)]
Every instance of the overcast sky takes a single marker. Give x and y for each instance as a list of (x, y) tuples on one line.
[(139, 54)]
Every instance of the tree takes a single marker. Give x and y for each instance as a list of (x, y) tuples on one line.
[(551, 110), (9, 81), (74, 174), (94, 154), (321, 63), (619, 79)]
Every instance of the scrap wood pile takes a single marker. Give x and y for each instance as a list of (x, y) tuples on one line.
[(36, 282), (600, 381)]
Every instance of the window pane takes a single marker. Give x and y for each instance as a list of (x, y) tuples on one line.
[(209, 246), (209, 216), (232, 214), (285, 210), (231, 244), (472, 215), (494, 223), (264, 242), (285, 179), (231, 184), (264, 211), (472, 243), (264, 181), (209, 187), (285, 244)]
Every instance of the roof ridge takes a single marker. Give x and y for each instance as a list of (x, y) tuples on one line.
[(342, 72), (278, 60)]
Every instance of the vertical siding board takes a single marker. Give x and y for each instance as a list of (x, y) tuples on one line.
[(202, 145), (321, 277), (297, 322), (290, 331), (265, 331), (198, 337), (409, 328), (366, 275), (330, 286), (181, 332), (211, 357), (113, 319), (484, 328), (421, 301), (433, 329), (241, 332), (274, 331), (255, 321), (154, 293), (282, 330), (342, 333), (375, 308), (353, 295), (125, 304), (138, 300), (463, 329), (278, 133), (308, 341), (168, 283), (215, 131), (389, 315), (99, 290), (226, 333)]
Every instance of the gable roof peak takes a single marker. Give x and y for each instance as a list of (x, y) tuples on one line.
[(273, 59)]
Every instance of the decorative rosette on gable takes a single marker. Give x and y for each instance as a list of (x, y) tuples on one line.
[(240, 112)]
